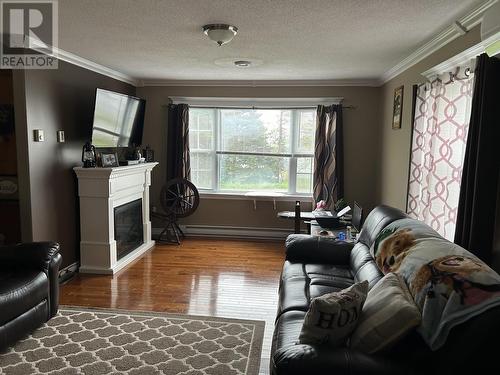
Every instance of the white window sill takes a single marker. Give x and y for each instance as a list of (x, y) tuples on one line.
[(263, 197)]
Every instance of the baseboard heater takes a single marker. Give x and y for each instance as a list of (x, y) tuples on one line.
[(220, 231)]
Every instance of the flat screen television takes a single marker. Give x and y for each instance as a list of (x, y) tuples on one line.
[(118, 119)]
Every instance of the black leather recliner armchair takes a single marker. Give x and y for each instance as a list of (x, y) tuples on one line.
[(29, 288)]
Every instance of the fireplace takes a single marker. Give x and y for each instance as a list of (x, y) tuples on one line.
[(114, 216), (129, 233)]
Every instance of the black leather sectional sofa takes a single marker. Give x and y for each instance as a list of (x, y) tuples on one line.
[(317, 265), (29, 288)]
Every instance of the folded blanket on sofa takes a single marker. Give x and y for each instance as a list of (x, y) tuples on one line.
[(448, 283)]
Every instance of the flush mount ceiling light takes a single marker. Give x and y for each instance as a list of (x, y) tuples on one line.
[(238, 62), (242, 63), (220, 33)]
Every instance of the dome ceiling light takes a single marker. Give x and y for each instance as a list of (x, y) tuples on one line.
[(242, 63), (220, 33)]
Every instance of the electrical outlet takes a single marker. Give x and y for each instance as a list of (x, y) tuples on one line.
[(38, 135)]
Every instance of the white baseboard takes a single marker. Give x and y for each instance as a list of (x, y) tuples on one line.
[(123, 262), (219, 231)]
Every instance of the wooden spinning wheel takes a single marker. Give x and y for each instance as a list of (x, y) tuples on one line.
[(179, 198)]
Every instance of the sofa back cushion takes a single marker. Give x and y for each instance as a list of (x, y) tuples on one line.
[(376, 221), (362, 264)]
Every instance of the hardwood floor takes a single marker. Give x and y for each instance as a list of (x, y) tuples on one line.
[(232, 279)]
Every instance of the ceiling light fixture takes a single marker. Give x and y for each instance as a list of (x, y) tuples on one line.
[(220, 33), (242, 63)]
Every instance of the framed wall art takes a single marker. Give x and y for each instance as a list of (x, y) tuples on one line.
[(397, 111)]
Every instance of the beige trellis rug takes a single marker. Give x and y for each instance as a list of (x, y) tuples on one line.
[(103, 341)]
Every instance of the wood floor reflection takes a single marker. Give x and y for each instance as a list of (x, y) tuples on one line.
[(232, 279)]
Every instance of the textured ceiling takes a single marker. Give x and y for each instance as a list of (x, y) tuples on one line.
[(292, 39)]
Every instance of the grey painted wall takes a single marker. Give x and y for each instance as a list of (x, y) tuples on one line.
[(361, 141), (61, 99)]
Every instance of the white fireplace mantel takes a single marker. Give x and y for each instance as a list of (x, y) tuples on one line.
[(100, 191)]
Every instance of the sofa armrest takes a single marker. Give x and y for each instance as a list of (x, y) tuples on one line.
[(54, 266), (38, 255), (43, 256), (307, 359), (304, 248)]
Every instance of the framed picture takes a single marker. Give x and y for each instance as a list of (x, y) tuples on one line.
[(109, 160), (397, 111), (9, 188)]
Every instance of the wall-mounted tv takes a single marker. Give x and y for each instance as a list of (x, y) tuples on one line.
[(118, 119)]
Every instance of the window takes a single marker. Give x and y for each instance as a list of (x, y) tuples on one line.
[(240, 150)]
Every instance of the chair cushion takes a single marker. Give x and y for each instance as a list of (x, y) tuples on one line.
[(20, 290)]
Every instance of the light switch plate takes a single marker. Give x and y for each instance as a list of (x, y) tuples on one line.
[(38, 135), (60, 136)]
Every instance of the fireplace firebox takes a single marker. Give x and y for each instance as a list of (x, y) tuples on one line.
[(129, 233)]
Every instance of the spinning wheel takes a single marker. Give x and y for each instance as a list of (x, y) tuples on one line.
[(178, 198)]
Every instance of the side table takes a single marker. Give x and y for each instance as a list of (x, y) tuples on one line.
[(316, 230)]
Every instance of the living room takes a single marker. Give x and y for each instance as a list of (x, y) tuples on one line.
[(241, 115)]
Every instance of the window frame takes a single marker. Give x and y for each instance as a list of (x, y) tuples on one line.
[(293, 155)]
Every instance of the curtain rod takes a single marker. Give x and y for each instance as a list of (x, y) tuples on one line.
[(256, 107)]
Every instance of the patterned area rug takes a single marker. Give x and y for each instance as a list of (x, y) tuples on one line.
[(103, 341)]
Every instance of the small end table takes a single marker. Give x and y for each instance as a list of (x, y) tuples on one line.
[(316, 230)]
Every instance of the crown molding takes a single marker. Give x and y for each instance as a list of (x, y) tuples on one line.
[(466, 57), (261, 83), (440, 40), (93, 66)]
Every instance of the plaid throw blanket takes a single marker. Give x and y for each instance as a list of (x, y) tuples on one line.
[(449, 284)]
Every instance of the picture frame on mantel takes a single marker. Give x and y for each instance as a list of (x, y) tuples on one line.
[(397, 110), (109, 160)]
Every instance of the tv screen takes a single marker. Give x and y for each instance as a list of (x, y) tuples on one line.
[(118, 119)]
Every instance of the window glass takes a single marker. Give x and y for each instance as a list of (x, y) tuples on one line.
[(248, 172), (224, 144), (304, 174), (266, 131), (307, 125)]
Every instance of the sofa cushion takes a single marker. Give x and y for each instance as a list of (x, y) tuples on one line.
[(20, 290), (388, 314), (327, 271), (302, 282), (332, 317), (363, 266), (287, 329), (294, 295)]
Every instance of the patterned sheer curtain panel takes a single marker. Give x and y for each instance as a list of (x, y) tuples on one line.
[(440, 127)]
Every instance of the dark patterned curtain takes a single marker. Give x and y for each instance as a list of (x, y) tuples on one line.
[(178, 163), (479, 189), (329, 155)]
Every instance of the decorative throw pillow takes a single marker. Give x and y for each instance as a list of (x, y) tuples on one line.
[(332, 317), (388, 314)]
